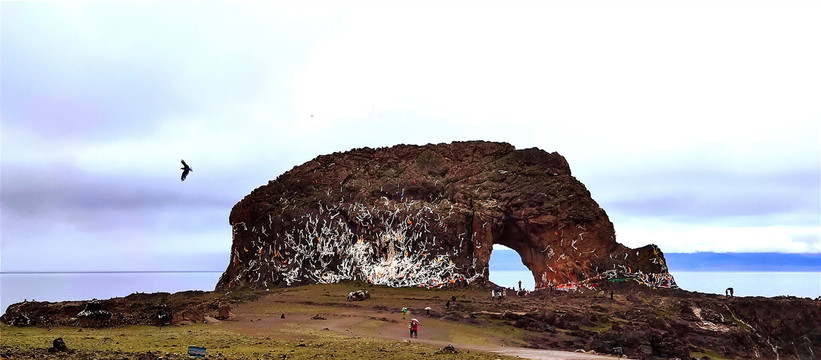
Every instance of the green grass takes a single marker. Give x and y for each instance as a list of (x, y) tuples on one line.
[(304, 343), (289, 338), (600, 328), (667, 312), (711, 354), (173, 339), (740, 324)]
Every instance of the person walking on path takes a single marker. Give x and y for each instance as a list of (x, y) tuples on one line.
[(414, 328), (404, 313)]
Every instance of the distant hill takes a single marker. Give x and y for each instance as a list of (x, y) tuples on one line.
[(700, 261)]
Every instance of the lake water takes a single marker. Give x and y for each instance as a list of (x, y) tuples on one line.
[(83, 286), (15, 288), (801, 284)]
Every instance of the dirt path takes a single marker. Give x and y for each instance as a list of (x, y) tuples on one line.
[(379, 324), (524, 353)]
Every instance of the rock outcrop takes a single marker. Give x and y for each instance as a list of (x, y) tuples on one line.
[(429, 216), (94, 314), (157, 309)]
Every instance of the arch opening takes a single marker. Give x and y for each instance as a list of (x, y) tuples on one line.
[(506, 269)]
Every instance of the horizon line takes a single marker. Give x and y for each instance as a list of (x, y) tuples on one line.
[(109, 272), (716, 252)]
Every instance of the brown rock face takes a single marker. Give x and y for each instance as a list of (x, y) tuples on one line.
[(429, 216), (225, 313)]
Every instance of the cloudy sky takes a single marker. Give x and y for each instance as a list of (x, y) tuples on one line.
[(695, 124)]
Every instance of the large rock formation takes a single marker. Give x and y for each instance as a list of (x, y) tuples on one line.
[(428, 216)]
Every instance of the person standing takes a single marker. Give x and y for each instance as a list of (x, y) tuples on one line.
[(404, 312), (520, 285), (414, 328)]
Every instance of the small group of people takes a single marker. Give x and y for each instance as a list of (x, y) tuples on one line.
[(414, 323), (498, 293)]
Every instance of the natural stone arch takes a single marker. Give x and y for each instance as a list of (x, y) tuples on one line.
[(425, 216)]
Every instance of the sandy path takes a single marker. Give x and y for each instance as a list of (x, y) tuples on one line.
[(524, 353)]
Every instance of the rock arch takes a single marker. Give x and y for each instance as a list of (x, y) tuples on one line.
[(427, 216)]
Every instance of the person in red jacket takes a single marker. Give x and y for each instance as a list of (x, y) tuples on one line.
[(414, 328)]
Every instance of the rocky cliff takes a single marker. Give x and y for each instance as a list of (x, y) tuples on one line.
[(429, 216)]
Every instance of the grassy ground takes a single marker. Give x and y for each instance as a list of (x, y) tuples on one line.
[(351, 330), (316, 321), (222, 342)]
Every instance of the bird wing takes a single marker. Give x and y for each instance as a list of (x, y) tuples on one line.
[(183, 163), (184, 174)]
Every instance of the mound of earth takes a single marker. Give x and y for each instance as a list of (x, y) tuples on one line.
[(136, 309)]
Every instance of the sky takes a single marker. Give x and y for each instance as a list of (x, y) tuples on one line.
[(696, 125)]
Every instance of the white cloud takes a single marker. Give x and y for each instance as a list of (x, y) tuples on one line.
[(611, 86), (246, 91)]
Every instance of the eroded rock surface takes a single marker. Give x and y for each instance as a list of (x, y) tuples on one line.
[(429, 216)]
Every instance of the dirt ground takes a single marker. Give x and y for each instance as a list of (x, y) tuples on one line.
[(371, 319)]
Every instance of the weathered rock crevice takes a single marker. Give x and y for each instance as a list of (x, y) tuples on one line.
[(428, 216)]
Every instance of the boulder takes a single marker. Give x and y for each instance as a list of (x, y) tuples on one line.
[(58, 345), (358, 295), (449, 349)]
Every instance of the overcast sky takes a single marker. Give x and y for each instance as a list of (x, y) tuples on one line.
[(696, 125)]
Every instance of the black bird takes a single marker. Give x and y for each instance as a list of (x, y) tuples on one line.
[(185, 170)]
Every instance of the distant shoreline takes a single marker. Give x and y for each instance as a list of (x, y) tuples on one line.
[(108, 272), (503, 259)]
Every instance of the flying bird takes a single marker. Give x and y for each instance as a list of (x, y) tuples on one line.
[(185, 170)]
